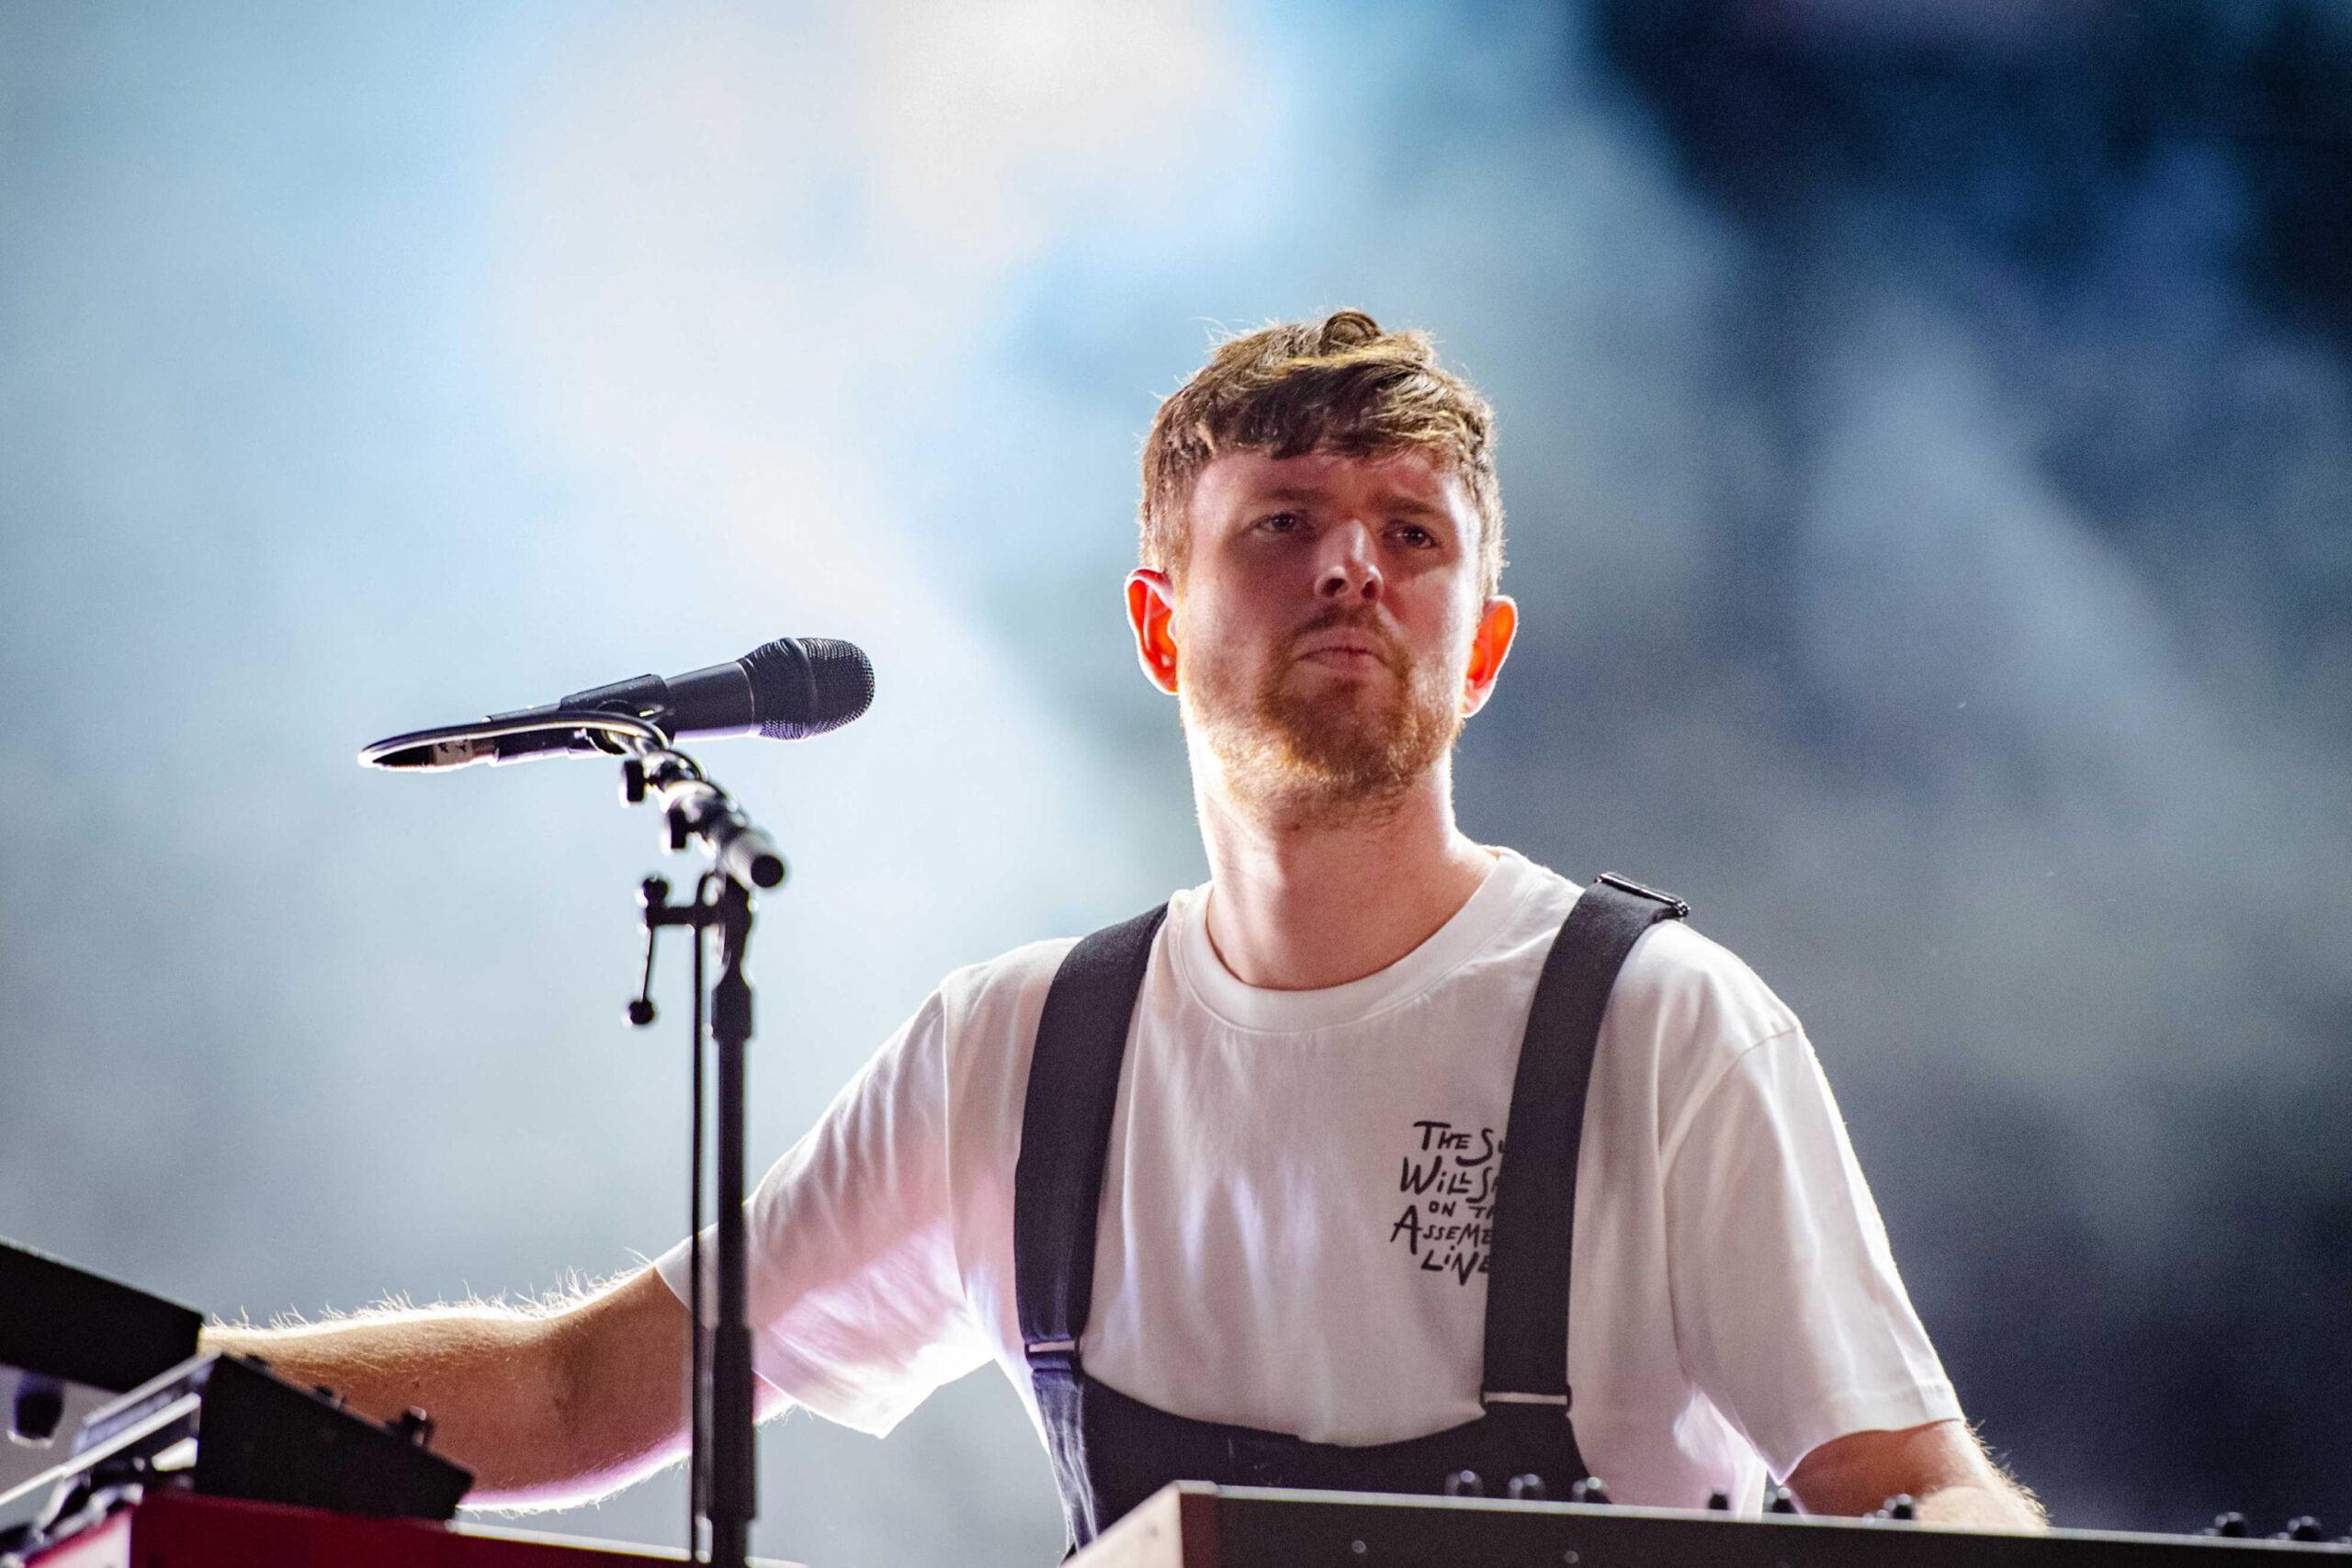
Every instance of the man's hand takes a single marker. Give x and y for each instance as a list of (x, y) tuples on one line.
[(545, 1405), (1941, 1465)]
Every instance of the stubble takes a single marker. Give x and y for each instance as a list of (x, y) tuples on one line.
[(1311, 747)]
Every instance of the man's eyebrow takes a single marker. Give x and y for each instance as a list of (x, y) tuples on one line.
[(1394, 505)]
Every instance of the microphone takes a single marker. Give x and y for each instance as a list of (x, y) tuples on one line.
[(789, 689)]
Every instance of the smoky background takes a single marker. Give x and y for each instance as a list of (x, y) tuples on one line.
[(1925, 432)]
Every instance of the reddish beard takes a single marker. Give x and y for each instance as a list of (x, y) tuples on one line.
[(1317, 739)]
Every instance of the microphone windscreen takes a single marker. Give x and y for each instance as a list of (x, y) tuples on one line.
[(807, 685)]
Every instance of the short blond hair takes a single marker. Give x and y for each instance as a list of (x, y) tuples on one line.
[(1339, 385)]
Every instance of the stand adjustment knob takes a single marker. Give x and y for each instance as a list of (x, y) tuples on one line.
[(1524, 1489), (679, 830), (653, 897), (2305, 1529), (1901, 1505), (414, 1424), (1719, 1502), (1589, 1489), (1465, 1483), (632, 782), (1779, 1500), (2229, 1524), (40, 1407)]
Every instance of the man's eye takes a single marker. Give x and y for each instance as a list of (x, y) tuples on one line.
[(1413, 534), (1280, 522)]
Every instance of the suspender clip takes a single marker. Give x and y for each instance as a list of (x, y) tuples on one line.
[(1489, 1398), (1054, 1355), (1681, 911)]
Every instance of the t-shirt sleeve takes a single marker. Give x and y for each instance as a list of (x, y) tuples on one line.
[(1788, 1309), (856, 1300)]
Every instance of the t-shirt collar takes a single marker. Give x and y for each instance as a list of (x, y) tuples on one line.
[(1479, 920)]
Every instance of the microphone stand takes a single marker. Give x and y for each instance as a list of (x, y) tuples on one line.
[(723, 1476), (722, 1485)]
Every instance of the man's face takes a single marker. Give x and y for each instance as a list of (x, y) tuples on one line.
[(1327, 634)]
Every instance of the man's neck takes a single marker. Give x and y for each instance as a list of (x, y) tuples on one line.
[(1303, 900)]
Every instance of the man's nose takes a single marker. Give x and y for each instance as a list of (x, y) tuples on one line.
[(1349, 570)]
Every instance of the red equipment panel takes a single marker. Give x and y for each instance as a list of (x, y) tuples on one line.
[(180, 1530)]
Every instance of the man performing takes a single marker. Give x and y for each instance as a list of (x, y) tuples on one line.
[(1381, 1156)]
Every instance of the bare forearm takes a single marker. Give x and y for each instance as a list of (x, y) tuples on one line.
[(1942, 1463), (487, 1375), (553, 1403), (1998, 1505)]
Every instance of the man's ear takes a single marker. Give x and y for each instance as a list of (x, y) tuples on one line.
[(1151, 610), (1489, 646)]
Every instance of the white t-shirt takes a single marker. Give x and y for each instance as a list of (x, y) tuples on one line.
[(1292, 1210)]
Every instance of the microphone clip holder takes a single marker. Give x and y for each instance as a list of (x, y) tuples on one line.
[(693, 809)]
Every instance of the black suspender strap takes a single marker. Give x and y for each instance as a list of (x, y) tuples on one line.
[(1534, 1217), (1066, 1132), (1073, 1093)]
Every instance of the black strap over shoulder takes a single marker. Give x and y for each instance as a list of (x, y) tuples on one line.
[(1534, 1217), (1073, 1093), (1066, 1130)]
